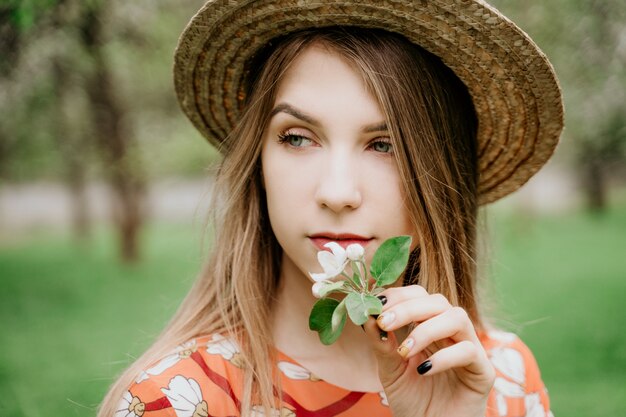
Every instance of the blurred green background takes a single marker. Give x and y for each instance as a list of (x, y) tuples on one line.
[(103, 190)]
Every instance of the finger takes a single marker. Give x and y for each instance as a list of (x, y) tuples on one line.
[(453, 324), (397, 295), (464, 354), (412, 310), (390, 365)]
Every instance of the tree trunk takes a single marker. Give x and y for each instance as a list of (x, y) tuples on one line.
[(72, 148), (595, 185), (114, 139), (10, 44)]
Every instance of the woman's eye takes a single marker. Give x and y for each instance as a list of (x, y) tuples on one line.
[(297, 141), (381, 146)]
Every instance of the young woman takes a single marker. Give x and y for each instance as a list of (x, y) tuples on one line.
[(350, 122)]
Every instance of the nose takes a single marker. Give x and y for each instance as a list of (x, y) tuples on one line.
[(338, 183)]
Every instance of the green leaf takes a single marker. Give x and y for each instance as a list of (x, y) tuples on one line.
[(327, 289), (361, 306), (321, 319), (356, 278), (338, 319), (390, 260)]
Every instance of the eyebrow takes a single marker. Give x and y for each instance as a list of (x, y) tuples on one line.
[(299, 114)]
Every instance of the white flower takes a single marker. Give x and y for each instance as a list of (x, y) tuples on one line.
[(317, 287), (510, 363), (503, 408), (159, 368), (534, 408), (220, 345), (501, 336), (227, 349), (355, 252), (333, 263), (383, 398), (293, 371), (130, 406), (507, 388), (186, 397), (182, 351)]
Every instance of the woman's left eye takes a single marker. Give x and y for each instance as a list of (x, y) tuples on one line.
[(297, 141), (382, 146)]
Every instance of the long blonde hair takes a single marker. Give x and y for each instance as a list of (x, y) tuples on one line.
[(432, 125)]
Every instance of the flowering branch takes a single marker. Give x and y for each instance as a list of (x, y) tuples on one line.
[(329, 315)]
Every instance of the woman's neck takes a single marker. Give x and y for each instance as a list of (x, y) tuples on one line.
[(348, 363)]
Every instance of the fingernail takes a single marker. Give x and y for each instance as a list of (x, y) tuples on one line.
[(383, 336), (405, 347), (385, 319), (382, 299), (424, 367)]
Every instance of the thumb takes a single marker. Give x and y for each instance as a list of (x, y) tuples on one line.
[(391, 366)]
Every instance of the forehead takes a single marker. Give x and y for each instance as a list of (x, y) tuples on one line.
[(323, 81)]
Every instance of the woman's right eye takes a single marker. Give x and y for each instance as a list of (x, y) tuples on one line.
[(297, 141)]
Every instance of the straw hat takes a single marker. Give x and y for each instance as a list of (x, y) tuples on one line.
[(513, 86)]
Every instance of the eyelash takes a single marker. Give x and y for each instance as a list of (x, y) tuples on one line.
[(285, 137), (385, 141)]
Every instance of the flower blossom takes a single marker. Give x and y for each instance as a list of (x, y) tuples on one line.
[(186, 397), (130, 406), (333, 262), (317, 288), (355, 252)]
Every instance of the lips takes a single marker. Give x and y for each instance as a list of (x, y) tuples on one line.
[(343, 239)]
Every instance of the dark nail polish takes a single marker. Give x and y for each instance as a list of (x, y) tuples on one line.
[(384, 335), (382, 299), (424, 367)]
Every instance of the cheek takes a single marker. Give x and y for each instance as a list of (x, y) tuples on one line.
[(286, 196), (386, 190)]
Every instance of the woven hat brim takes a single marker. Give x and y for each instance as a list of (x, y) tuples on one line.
[(513, 86)]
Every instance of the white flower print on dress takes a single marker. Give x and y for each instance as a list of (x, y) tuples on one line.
[(510, 363), (506, 389), (258, 411), (293, 371), (383, 398), (130, 406), (181, 352), (186, 397), (226, 348), (500, 336), (534, 408)]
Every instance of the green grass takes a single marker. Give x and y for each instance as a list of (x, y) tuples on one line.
[(561, 284), (72, 317)]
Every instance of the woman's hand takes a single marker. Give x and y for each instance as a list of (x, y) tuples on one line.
[(440, 368)]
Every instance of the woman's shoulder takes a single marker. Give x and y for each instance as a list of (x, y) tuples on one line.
[(201, 368), (518, 388)]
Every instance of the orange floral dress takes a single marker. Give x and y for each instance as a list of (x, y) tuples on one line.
[(202, 378)]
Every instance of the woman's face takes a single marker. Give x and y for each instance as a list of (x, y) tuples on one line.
[(328, 165)]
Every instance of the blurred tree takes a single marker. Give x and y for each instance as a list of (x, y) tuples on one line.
[(59, 33), (113, 133), (586, 42), (9, 53), (72, 146)]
